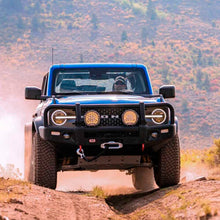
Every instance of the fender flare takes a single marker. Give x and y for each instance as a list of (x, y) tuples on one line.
[(37, 122)]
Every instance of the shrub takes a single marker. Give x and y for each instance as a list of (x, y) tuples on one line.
[(98, 192), (209, 156), (212, 155)]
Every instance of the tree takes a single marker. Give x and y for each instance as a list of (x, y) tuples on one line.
[(210, 61), (20, 23), (124, 36), (185, 106), (199, 58), (153, 43), (199, 76), (93, 35), (81, 58), (69, 26), (206, 83), (36, 25), (151, 11), (165, 73), (94, 21), (37, 7), (143, 35), (186, 113)]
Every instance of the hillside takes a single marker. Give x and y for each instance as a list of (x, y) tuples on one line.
[(192, 200), (179, 41)]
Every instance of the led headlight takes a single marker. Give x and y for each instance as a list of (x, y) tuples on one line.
[(59, 117), (130, 117), (92, 118), (158, 116)]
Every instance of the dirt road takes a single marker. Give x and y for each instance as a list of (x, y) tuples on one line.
[(191, 200)]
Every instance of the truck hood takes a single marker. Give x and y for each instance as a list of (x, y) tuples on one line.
[(106, 99)]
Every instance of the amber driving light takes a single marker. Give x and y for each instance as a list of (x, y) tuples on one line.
[(130, 117), (158, 116), (92, 118), (58, 117)]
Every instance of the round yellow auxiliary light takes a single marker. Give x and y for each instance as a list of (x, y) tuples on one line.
[(130, 117), (92, 118), (159, 116), (58, 117)]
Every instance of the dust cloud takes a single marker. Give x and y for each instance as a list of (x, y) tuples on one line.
[(11, 137), (194, 171), (111, 181), (15, 112)]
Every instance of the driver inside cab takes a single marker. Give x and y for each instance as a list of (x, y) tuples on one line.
[(119, 84)]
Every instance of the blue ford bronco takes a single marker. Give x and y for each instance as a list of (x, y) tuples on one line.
[(98, 117)]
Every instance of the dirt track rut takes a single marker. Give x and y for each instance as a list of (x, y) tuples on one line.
[(192, 200)]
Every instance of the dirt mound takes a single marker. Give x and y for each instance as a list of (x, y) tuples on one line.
[(192, 200)]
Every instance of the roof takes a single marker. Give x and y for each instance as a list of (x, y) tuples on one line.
[(97, 65)]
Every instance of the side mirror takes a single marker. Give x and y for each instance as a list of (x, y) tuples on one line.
[(33, 93), (167, 91)]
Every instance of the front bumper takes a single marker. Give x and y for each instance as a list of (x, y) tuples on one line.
[(129, 136), (148, 135)]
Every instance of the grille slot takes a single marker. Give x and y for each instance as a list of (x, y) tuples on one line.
[(122, 134), (110, 116)]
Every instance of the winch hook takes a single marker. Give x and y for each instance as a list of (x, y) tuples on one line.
[(80, 152)]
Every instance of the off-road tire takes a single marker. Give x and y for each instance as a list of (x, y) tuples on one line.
[(167, 164), (143, 178), (43, 163)]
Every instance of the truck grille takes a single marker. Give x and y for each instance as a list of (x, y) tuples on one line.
[(110, 116)]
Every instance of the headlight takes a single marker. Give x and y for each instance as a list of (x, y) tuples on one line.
[(59, 117), (130, 117), (158, 116), (92, 118)]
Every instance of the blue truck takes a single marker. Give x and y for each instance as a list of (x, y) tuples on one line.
[(98, 117)]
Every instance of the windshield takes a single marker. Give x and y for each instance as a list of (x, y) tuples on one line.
[(99, 80)]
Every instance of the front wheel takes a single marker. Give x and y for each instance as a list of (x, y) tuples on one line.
[(167, 164), (43, 163)]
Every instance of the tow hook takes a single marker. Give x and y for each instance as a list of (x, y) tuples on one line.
[(80, 152)]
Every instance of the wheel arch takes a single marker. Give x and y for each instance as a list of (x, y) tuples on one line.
[(36, 124)]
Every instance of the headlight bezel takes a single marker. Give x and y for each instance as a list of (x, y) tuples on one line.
[(151, 118), (69, 117), (53, 117), (155, 118)]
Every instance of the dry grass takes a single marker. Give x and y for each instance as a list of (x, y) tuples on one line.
[(209, 156), (11, 189), (188, 200), (206, 160), (98, 192)]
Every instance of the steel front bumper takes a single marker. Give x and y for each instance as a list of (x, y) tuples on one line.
[(148, 135)]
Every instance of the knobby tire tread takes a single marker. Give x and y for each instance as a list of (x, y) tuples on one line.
[(167, 167), (44, 164)]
